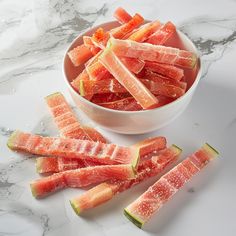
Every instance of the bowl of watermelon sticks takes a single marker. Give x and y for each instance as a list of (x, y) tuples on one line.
[(131, 75)]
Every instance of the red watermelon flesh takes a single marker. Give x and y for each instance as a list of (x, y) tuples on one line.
[(156, 53), (80, 55), (108, 97), (106, 191), (142, 209), (170, 71), (67, 122), (59, 164), (80, 178), (73, 148), (144, 32), (122, 15), (162, 34)]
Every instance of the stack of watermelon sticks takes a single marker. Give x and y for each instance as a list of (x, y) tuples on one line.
[(81, 157), (129, 68)]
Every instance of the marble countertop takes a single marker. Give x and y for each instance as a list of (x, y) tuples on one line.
[(33, 39)]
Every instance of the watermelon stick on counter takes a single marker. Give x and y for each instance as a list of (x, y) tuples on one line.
[(66, 121), (144, 207), (80, 178), (59, 164), (106, 191), (73, 148)]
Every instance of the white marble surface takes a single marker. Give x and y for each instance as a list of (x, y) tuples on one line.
[(33, 38)]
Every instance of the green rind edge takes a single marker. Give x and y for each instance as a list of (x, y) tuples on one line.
[(10, 141), (53, 94), (75, 208), (213, 149), (175, 146), (133, 219), (33, 191), (38, 165), (81, 88), (135, 159)]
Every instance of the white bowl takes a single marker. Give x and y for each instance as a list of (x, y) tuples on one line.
[(133, 122)]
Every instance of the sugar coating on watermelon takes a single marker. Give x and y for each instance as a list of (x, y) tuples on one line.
[(73, 148), (144, 207), (80, 178), (122, 15), (106, 191)]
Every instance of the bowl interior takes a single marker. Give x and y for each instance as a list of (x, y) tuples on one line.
[(179, 40)]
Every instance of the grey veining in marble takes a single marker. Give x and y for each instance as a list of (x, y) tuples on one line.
[(33, 38)]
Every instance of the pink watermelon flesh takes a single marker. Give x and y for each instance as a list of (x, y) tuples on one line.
[(67, 122), (156, 53), (145, 31), (128, 80), (122, 15), (143, 208), (170, 71), (59, 164), (162, 35), (73, 148), (106, 191), (80, 178)]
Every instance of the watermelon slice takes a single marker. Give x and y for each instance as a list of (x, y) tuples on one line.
[(170, 71), (162, 34), (124, 104), (149, 52), (128, 80), (145, 31), (106, 191), (58, 164), (124, 29), (122, 15), (159, 86), (130, 104), (73, 148), (67, 122), (80, 55), (142, 209), (108, 97), (80, 178)]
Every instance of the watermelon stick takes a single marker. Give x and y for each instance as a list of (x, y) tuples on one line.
[(66, 121), (106, 191), (149, 52), (161, 36), (128, 80), (80, 178), (144, 207), (59, 164), (170, 71), (73, 148), (155, 85), (122, 15)]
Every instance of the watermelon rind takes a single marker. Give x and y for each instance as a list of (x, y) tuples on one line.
[(81, 88), (53, 94), (176, 147), (133, 219), (75, 207), (135, 159), (211, 149), (10, 142), (33, 191)]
